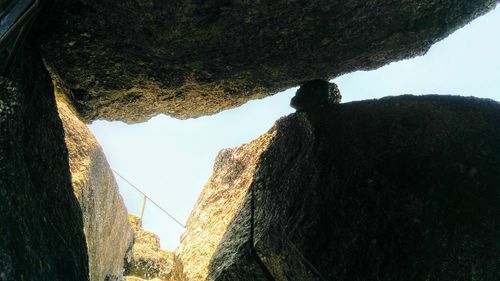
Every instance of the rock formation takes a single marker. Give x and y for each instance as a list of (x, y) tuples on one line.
[(130, 60), (402, 188), (315, 93), (216, 207), (41, 225), (146, 260), (105, 219)]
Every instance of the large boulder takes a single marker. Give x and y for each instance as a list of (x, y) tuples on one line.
[(41, 224), (105, 218), (130, 60), (402, 188)]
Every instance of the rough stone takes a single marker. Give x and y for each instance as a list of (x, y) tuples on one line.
[(315, 93), (41, 226), (401, 188), (130, 60), (216, 207), (146, 260), (105, 218)]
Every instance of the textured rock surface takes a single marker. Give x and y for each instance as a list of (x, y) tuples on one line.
[(146, 260), (315, 93), (105, 218), (216, 207), (41, 228), (130, 60), (402, 188)]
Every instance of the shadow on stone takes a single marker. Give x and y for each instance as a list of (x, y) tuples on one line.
[(401, 188), (41, 223)]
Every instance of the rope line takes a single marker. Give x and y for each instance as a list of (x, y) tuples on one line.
[(149, 198)]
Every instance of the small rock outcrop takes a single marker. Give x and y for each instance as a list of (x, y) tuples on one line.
[(216, 207), (315, 93), (401, 188), (105, 218), (130, 60), (146, 260)]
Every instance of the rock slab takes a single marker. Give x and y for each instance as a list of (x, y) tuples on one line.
[(216, 207), (105, 218), (130, 60), (41, 224)]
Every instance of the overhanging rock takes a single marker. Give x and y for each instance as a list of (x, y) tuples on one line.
[(130, 60)]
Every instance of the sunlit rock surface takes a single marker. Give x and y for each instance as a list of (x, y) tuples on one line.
[(401, 188), (130, 60), (146, 260), (216, 207), (105, 217), (41, 225)]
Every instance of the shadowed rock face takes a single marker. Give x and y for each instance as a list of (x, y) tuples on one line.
[(315, 93), (401, 188), (41, 225), (130, 60)]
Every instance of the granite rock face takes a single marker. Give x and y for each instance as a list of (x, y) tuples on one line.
[(216, 207), (401, 188), (130, 60), (41, 225), (146, 260), (105, 218)]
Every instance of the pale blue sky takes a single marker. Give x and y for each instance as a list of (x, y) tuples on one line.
[(172, 159)]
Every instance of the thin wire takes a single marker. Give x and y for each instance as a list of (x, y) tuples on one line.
[(145, 195)]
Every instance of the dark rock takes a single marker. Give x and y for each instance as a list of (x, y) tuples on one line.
[(130, 60), (315, 93), (402, 188), (41, 227)]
